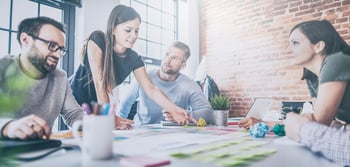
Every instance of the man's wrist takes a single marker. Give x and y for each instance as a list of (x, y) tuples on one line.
[(4, 129)]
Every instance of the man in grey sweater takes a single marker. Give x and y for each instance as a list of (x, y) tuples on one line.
[(181, 90), (42, 43)]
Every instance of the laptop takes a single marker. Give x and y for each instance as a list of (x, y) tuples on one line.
[(259, 107), (21, 146), (172, 123)]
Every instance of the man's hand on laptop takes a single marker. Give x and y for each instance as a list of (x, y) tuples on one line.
[(167, 116), (181, 117), (29, 127), (122, 123)]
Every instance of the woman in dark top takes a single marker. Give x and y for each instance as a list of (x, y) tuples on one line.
[(108, 59), (318, 47)]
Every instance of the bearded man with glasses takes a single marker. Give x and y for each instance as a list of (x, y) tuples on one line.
[(42, 42)]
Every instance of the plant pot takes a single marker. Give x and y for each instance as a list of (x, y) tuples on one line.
[(220, 117)]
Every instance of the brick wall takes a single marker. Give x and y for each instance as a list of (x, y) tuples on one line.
[(246, 44)]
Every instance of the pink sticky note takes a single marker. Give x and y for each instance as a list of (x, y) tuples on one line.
[(143, 161)]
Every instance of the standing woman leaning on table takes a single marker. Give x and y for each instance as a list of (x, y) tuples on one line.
[(109, 59)]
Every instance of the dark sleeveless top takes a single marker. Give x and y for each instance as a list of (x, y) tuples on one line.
[(81, 81)]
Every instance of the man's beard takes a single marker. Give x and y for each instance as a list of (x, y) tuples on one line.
[(169, 71), (40, 62)]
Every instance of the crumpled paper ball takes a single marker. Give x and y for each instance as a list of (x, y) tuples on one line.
[(279, 130), (259, 130)]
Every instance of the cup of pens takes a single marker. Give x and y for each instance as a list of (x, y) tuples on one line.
[(97, 125)]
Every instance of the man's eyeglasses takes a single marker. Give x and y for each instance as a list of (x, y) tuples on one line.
[(174, 58), (52, 46)]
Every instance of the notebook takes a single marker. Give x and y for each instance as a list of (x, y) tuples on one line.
[(259, 107), (20, 146)]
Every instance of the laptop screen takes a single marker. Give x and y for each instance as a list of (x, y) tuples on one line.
[(259, 107)]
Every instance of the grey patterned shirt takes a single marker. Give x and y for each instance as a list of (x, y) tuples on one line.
[(333, 143)]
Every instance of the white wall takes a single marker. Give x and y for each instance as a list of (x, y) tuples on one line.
[(93, 15), (189, 33)]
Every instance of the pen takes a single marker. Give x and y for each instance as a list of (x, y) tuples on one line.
[(86, 108), (106, 109), (95, 108)]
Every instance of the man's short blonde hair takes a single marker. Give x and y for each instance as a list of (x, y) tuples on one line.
[(183, 47)]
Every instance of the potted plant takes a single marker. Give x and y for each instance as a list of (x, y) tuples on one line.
[(220, 105), (220, 102)]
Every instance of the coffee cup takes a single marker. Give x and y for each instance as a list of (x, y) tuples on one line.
[(96, 142)]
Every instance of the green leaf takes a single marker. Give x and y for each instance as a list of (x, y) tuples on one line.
[(220, 102)]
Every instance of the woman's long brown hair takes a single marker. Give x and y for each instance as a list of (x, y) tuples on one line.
[(119, 14)]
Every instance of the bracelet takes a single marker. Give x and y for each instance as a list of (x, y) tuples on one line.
[(278, 129)]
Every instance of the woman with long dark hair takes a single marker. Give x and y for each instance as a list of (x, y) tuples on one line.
[(318, 47)]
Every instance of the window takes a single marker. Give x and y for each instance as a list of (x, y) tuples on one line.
[(11, 12), (157, 30), (158, 27)]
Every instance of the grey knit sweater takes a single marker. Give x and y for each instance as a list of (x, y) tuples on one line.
[(47, 97)]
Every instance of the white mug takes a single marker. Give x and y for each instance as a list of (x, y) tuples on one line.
[(97, 140)]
